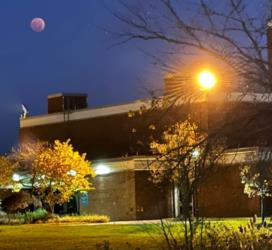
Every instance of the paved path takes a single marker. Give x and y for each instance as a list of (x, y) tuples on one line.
[(134, 222), (131, 222)]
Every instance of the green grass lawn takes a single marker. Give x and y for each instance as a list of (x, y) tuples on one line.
[(75, 236), (72, 236)]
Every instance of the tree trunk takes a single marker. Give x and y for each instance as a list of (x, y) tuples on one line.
[(262, 211), (51, 207), (187, 215)]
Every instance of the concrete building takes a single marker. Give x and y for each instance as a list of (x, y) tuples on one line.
[(116, 145)]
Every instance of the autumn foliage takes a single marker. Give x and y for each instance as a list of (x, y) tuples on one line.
[(6, 171), (53, 172), (176, 153), (62, 172)]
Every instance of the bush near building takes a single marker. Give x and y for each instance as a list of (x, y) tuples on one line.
[(95, 218), (42, 216)]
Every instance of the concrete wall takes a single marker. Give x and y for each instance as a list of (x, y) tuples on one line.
[(152, 201), (127, 195), (114, 196), (221, 194)]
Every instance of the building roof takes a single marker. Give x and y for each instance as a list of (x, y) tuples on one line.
[(82, 114), (66, 94), (133, 106)]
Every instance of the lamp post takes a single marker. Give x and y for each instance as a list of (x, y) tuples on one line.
[(207, 81)]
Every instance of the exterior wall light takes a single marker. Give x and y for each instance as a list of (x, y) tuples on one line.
[(16, 177), (102, 169), (195, 153)]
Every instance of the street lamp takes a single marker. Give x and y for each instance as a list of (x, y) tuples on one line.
[(207, 80)]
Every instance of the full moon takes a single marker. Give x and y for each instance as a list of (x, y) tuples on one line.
[(37, 24)]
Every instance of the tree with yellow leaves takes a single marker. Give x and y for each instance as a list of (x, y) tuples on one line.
[(55, 172), (177, 157), (7, 168), (180, 157), (62, 172), (256, 175), (25, 156)]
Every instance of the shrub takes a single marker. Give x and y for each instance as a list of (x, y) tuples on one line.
[(218, 236), (42, 216), (105, 245), (12, 219), (24, 218), (37, 215), (18, 202), (80, 219)]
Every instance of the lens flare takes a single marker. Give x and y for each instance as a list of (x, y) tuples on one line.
[(207, 80)]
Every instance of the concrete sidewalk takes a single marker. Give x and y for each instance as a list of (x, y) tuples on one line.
[(132, 222)]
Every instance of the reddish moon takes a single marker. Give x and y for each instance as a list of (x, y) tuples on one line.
[(37, 24)]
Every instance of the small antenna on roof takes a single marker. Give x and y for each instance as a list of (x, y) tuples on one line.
[(24, 111)]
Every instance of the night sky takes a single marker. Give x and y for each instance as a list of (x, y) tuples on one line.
[(73, 54)]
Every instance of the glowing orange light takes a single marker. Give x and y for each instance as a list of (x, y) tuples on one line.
[(207, 80)]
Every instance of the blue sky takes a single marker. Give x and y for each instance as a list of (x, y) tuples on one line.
[(73, 54)]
